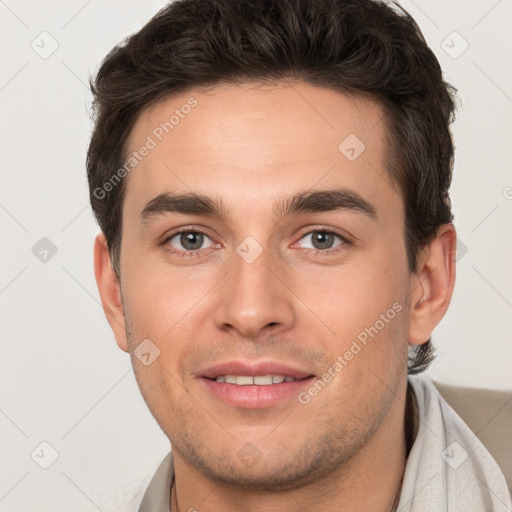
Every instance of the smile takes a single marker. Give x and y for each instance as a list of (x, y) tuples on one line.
[(259, 380)]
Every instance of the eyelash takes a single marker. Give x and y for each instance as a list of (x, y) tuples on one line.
[(195, 253)]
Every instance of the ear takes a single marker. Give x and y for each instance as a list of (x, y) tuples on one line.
[(432, 284), (110, 291)]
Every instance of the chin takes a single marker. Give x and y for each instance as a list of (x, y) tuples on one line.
[(272, 470)]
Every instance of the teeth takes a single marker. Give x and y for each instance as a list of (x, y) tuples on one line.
[(263, 380), (259, 380), (244, 380)]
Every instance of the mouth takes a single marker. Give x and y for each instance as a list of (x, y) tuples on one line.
[(258, 380), (255, 386)]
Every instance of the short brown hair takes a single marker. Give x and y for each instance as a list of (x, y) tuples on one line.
[(361, 47)]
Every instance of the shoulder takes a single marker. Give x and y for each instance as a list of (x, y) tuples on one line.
[(126, 498), (488, 414)]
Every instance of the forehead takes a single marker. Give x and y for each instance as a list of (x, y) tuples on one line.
[(251, 140)]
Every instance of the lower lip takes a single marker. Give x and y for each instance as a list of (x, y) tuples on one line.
[(256, 397)]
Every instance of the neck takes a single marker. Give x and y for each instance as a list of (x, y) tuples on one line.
[(370, 480)]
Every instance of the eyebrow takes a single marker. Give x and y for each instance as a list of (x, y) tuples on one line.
[(302, 202)]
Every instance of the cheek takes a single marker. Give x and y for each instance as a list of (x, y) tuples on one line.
[(367, 315), (352, 298), (170, 309)]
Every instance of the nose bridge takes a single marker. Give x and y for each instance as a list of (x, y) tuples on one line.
[(254, 296)]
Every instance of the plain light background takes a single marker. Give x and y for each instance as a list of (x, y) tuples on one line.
[(63, 379)]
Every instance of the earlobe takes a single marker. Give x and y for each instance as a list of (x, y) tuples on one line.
[(110, 291), (432, 286)]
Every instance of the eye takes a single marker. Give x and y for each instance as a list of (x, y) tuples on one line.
[(322, 240), (187, 241)]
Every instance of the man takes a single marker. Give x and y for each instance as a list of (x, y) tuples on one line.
[(271, 180)]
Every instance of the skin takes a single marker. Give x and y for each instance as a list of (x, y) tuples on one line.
[(251, 145)]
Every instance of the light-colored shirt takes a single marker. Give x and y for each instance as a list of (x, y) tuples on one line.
[(448, 469)]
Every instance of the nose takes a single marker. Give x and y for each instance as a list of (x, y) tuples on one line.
[(255, 298)]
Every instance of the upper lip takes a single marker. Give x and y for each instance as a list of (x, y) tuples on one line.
[(253, 369)]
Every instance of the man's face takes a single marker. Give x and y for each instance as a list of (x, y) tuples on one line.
[(259, 293)]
